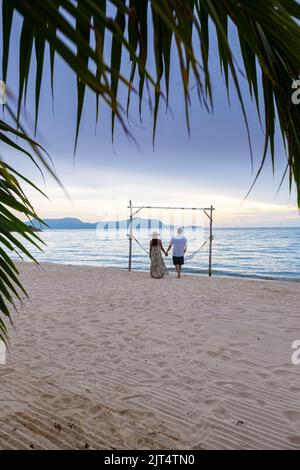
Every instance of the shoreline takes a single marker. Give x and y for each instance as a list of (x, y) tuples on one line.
[(184, 272)]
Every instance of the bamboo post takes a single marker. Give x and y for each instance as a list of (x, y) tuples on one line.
[(210, 240), (130, 236)]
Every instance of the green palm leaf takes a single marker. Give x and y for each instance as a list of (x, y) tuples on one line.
[(14, 203), (268, 32)]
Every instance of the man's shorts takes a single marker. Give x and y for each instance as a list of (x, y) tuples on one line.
[(178, 260)]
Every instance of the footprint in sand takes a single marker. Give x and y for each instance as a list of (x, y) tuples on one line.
[(294, 440), (281, 372), (292, 416)]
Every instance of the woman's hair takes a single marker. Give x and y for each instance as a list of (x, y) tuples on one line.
[(154, 241)]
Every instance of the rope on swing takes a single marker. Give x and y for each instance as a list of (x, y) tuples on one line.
[(133, 238), (191, 256), (187, 257)]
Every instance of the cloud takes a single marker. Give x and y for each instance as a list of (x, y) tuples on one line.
[(108, 199)]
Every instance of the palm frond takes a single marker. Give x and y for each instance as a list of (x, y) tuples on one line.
[(14, 207), (81, 32), (13, 204), (269, 38)]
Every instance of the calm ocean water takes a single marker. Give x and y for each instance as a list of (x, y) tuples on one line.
[(255, 252)]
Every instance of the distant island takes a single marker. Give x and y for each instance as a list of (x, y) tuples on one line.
[(68, 223)]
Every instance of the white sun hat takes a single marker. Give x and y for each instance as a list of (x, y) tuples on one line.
[(155, 234)]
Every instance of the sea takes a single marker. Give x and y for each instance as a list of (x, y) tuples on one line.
[(268, 253)]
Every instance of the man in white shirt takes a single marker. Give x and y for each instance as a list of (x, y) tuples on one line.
[(179, 243)]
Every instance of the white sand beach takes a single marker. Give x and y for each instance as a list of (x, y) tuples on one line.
[(101, 358)]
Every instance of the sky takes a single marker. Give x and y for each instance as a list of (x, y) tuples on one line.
[(211, 166)]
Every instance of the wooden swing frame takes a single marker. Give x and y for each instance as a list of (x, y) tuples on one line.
[(208, 211)]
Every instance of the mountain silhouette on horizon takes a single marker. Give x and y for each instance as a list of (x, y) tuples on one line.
[(73, 223)]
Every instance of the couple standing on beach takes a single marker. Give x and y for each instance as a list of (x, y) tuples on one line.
[(158, 268)]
